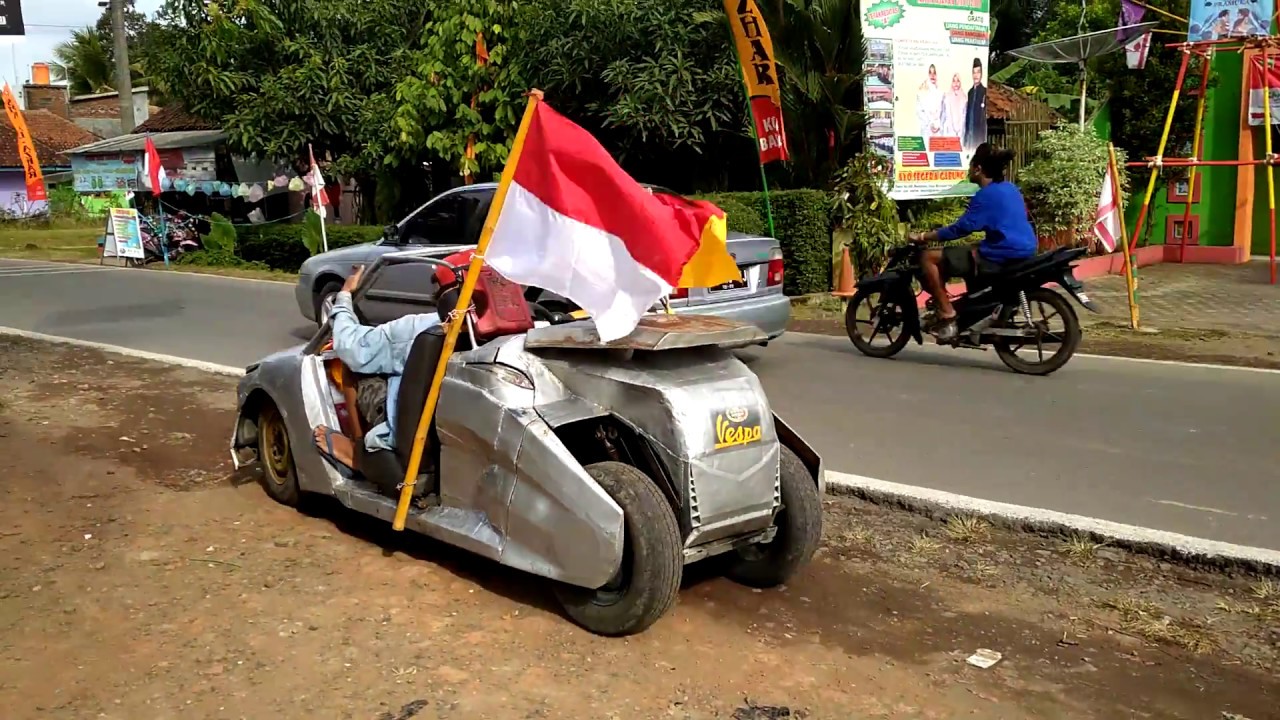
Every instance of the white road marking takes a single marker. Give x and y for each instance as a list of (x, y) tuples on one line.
[(5, 265), (1202, 508), (1177, 363), (129, 352), (48, 270), (1129, 535)]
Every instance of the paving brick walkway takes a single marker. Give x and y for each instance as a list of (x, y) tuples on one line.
[(1212, 297)]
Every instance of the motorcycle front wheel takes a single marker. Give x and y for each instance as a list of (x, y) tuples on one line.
[(872, 316), (1030, 355)]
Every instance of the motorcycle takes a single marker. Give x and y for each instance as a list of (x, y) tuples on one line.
[(180, 238), (995, 310)]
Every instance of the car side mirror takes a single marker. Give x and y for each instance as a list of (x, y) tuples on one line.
[(391, 232)]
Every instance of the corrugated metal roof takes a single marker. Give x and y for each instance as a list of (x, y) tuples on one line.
[(137, 141)]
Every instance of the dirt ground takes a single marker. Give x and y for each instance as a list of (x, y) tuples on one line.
[(141, 578)]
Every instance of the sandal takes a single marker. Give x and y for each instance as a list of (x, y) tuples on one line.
[(343, 469)]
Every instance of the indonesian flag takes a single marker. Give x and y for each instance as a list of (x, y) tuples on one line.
[(153, 168), (318, 198), (1107, 225), (573, 222)]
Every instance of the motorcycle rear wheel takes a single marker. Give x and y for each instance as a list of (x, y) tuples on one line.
[(878, 305), (1068, 340)]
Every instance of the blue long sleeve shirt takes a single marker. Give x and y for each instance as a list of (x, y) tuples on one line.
[(377, 350), (999, 210)]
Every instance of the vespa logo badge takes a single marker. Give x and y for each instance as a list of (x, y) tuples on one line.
[(733, 430)]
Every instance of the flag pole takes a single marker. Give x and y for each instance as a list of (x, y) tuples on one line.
[(458, 317), (1130, 277), (317, 199)]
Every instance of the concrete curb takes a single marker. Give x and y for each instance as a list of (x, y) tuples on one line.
[(209, 367), (939, 505)]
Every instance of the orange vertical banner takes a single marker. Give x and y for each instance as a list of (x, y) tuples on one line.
[(30, 161), (760, 71)]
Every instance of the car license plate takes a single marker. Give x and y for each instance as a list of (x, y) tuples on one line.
[(731, 285)]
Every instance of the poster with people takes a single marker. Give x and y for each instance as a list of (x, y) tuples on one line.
[(925, 90), (1223, 19)]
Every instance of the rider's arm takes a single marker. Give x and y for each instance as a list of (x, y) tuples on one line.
[(362, 348), (973, 220)]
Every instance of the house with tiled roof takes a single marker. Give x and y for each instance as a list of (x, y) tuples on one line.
[(52, 136)]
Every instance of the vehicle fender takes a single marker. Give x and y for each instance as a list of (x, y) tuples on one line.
[(791, 440), (879, 283)]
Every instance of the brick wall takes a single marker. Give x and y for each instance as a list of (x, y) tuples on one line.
[(45, 97)]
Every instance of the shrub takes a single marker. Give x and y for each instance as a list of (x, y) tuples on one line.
[(1062, 182), (865, 216), (281, 246), (219, 248), (802, 222)]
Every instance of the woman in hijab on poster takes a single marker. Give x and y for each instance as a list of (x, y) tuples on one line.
[(954, 105)]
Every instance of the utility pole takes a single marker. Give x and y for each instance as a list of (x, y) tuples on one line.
[(124, 81)]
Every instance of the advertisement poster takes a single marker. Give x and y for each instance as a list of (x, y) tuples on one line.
[(1221, 19), (925, 90), (126, 233), (104, 173), (1256, 112)]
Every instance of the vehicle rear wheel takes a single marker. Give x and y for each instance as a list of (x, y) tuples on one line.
[(279, 476), (799, 523), (324, 300), (883, 317), (647, 582), (1046, 306)]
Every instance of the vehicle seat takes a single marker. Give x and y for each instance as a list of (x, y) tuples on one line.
[(386, 469), (500, 305)]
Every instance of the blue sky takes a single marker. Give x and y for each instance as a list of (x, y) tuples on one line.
[(49, 22)]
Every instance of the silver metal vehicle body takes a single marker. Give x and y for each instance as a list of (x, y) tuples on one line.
[(513, 421), (448, 221)]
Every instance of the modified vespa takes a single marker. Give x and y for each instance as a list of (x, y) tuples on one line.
[(603, 467)]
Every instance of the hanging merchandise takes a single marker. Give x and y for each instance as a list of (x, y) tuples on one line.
[(180, 185), (224, 189), (192, 188), (256, 193), (165, 184), (281, 181), (242, 190), (296, 185)]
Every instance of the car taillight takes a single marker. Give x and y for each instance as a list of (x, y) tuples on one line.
[(774, 276), (679, 293)]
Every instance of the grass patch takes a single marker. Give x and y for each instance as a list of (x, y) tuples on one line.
[(1082, 550), (968, 529), (53, 241), (817, 307), (1145, 620), (923, 545)]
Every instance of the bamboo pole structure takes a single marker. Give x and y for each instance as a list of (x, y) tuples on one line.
[(1271, 172), (1130, 272), (1164, 140), (1206, 61)]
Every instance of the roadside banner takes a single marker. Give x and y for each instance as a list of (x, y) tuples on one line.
[(1257, 80), (1222, 19), (30, 160), (760, 72), (124, 235), (924, 91)]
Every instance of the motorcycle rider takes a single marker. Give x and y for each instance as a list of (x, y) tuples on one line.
[(997, 209)]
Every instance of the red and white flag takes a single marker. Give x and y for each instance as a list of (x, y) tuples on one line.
[(1107, 225), (154, 170), (318, 198), (573, 222)]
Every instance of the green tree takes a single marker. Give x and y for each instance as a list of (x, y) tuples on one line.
[(655, 80), (819, 45), (450, 97), (279, 74), (85, 62)]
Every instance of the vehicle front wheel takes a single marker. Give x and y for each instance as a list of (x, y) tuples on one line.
[(646, 584), (279, 476), (879, 316), (799, 523), (324, 300)]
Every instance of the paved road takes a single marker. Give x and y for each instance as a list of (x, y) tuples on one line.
[(1187, 449)]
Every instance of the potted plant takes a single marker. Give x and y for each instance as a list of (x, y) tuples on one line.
[(1062, 185)]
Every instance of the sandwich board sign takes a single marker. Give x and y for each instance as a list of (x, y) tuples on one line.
[(123, 237)]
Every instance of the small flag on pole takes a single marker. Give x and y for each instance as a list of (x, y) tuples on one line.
[(1107, 226), (318, 198), (154, 170), (1135, 51)]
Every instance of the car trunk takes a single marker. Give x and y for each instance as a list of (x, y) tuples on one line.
[(752, 255)]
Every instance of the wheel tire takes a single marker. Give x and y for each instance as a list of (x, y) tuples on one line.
[(279, 476), (327, 290), (799, 534), (864, 344), (1071, 328), (652, 561)]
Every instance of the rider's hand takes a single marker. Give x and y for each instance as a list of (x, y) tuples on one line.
[(353, 280), (915, 237)]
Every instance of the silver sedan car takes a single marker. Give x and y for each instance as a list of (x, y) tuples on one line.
[(453, 219)]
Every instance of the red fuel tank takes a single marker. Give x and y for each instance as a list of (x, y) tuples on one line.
[(500, 305)]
